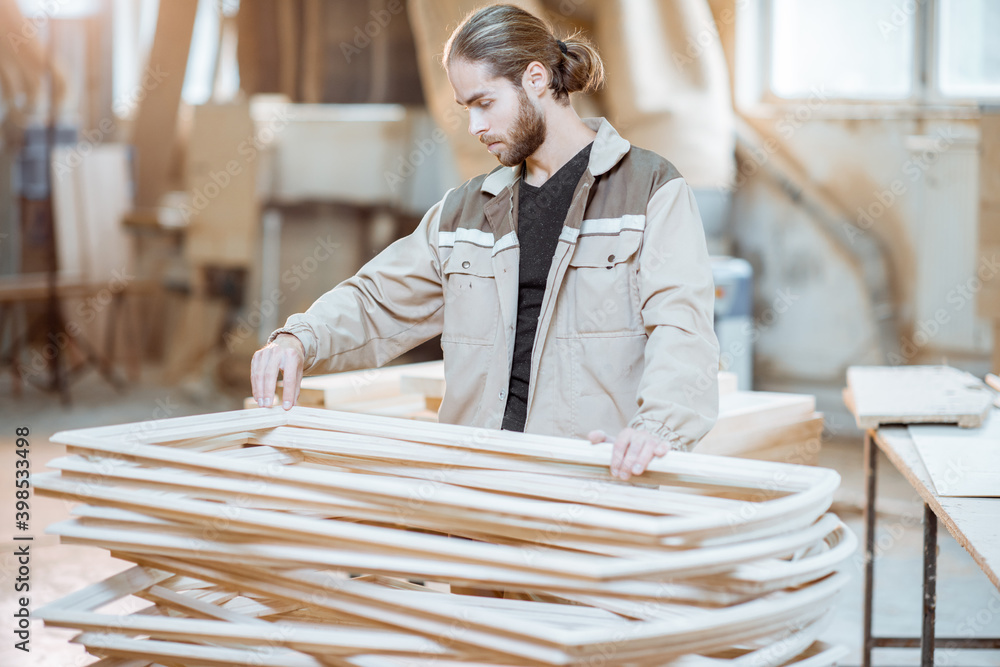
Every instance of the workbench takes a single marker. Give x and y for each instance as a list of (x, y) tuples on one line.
[(973, 522)]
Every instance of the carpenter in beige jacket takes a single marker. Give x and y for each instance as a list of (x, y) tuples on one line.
[(625, 336)]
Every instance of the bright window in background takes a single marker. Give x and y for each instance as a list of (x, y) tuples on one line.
[(133, 25), (204, 51), (64, 9), (861, 49), (968, 36), (134, 28)]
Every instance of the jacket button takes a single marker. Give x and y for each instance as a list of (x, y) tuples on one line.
[(611, 258), (501, 395), (466, 264)]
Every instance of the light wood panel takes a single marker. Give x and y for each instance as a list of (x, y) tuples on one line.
[(155, 129), (962, 463), (916, 394)]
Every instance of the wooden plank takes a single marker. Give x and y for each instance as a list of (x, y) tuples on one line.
[(155, 125), (809, 486), (996, 347), (288, 54), (916, 394), (248, 632), (987, 271), (312, 51), (105, 197), (802, 436), (91, 194), (743, 410), (962, 463), (989, 177), (222, 180), (543, 559), (105, 644), (425, 614), (369, 383), (66, 212), (971, 521)]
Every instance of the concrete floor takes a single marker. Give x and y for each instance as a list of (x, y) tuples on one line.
[(967, 604)]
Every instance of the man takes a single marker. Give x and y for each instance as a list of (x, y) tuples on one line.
[(571, 286)]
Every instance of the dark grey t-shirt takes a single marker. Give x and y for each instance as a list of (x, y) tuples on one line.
[(541, 213)]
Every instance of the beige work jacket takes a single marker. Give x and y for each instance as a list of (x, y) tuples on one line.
[(625, 334)]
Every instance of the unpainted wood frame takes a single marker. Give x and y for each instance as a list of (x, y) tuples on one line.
[(785, 489), (386, 606), (139, 444)]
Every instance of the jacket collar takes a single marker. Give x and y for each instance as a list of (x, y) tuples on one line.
[(609, 148)]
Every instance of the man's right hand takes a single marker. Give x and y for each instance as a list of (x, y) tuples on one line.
[(284, 353)]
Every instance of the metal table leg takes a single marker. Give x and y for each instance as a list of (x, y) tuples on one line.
[(871, 460), (930, 587)]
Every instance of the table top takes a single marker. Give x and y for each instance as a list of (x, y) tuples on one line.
[(973, 522)]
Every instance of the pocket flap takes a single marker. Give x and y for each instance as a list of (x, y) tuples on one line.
[(469, 259), (605, 250)]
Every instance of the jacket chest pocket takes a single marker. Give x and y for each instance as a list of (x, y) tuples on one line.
[(603, 277), (472, 306)]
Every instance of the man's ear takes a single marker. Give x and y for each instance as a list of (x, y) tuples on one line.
[(536, 78)]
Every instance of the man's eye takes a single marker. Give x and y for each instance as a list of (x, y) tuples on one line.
[(485, 105)]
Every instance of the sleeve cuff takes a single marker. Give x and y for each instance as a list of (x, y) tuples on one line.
[(662, 431)]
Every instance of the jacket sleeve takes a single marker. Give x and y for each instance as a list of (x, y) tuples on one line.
[(393, 303), (678, 393)]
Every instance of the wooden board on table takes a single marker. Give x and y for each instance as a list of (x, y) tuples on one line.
[(796, 441), (370, 383), (971, 521), (740, 411), (916, 394), (962, 463)]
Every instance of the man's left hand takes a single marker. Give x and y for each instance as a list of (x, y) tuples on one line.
[(634, 449)]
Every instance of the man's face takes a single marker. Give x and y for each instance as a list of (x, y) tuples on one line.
[(501, 115)]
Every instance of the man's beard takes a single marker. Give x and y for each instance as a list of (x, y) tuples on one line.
[(526, 136)]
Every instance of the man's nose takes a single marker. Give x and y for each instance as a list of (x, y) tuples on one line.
[(476, 125)]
